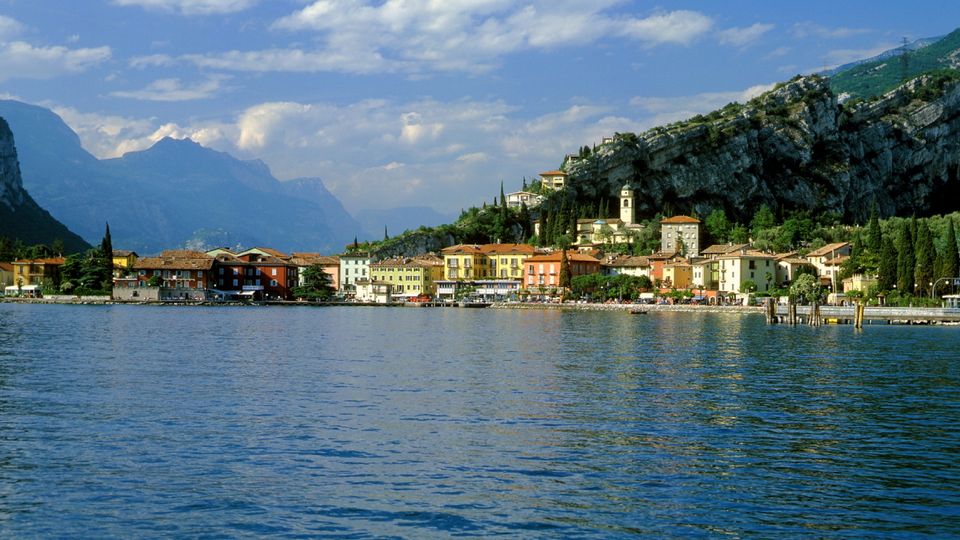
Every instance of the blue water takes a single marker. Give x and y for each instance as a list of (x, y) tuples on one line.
[(132, 421)]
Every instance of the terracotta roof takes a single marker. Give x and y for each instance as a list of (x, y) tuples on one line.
[(836, 261), (42, 260), (268, 251), (6, 267), (123, 253), (625, 261), (572, 256), (825, 250), (553, 173), (720, 249), (680, 219), (176, 260), (405, 262), (504, 249), (748, 254), (461, 249), (307, 259)]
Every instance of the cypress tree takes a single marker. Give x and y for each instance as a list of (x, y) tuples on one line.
[(926, 257), (106, 256), (887, 272), (951, 256), (542, 222), (385, 235), (524, 218), (503, 198), (565, 273), (905, 259), (874, 237)]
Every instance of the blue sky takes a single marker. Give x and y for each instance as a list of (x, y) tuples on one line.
[(418, 102)]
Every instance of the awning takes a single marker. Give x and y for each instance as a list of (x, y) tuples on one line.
[(14, 288)]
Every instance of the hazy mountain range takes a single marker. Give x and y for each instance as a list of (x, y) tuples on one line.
[(174, 194)]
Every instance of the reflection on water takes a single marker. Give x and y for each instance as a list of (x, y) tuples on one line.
[(140, 421)]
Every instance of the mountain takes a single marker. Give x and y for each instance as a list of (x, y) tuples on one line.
[(874, 78), (400, 219), (174, 193), (20, 216), (793, 148), (890, 53)]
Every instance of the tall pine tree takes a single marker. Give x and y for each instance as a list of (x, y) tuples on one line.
[(951, 256), (905, 259), (926, 257), (106, 261), (887, 272), (874, 237)]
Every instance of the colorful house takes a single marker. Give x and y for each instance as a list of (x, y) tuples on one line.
[(408, 277), (30, 275), (176, 269), (329, 263), (680, 234), (543, 271), (738, 268)]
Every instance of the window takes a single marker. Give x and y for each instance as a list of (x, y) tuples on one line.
[(199, 274), (258, 271), (273, 283), (142, 273), (273, 271), (235, 283)]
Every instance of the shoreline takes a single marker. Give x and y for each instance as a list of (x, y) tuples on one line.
[(646, 308)]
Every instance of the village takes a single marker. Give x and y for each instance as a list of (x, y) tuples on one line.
[(682, 271)]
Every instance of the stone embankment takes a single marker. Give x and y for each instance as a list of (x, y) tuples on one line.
[(688, 308)]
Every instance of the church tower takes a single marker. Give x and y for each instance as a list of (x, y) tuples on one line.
[(627, 211)]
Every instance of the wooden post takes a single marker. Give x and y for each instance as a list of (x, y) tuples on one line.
[(858, 312), (770, 309), (791, 312)]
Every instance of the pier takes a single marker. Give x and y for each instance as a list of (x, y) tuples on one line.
[(857, 315)]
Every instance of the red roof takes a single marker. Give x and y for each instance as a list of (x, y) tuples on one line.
[(572, 256), (680, 219)]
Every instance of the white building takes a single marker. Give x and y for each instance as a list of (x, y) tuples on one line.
[(353, 266)]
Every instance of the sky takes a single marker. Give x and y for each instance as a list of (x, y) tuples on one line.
[(419, 102)]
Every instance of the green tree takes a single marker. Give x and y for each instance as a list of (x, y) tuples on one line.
[(565, 273), (874, 236), (763, 219), (806, 287), (317, 284), (926, 258), (106, 261), (950, 265), (523, 216), (739, 234), (718, 226), (905, 259), (887, 272)]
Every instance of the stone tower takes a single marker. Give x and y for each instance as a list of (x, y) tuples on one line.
[(628, 212)]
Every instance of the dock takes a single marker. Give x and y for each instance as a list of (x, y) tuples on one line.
[(858, 315)]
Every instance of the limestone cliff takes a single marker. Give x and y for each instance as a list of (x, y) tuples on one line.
[(20, 217), (794, 147)]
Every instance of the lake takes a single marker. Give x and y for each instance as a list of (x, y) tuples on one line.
[(354, 422)]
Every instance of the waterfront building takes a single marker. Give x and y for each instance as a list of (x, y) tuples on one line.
[(821, 260), (678, 275), (505, 261), (353, 266), (681, 235), (30, 275), (615, 265), (409, 277), (542, 272), (6, 274), (329, 263), (788, 264), (744, 266), (373, 292), (176, 269), (254, 273)]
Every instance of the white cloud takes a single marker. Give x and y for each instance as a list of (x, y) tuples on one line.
[(840, 57), (412, 36), (191, 7), (740, 37), (777, 53), (9, 28), (665, 110), (22, 60), (811, 29), (173, 90), (151, 61)]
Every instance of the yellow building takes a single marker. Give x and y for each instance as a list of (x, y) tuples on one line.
[(464, 262), (32, 274), (678, 275), (505, 261), (123, 261), (408, 277)]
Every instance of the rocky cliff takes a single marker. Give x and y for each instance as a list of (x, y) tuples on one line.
[(20, 216), (794, 147)]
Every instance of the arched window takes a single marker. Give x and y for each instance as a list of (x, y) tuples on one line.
[(626, 203)]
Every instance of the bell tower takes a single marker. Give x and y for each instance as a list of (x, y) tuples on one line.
[(627, 211)]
